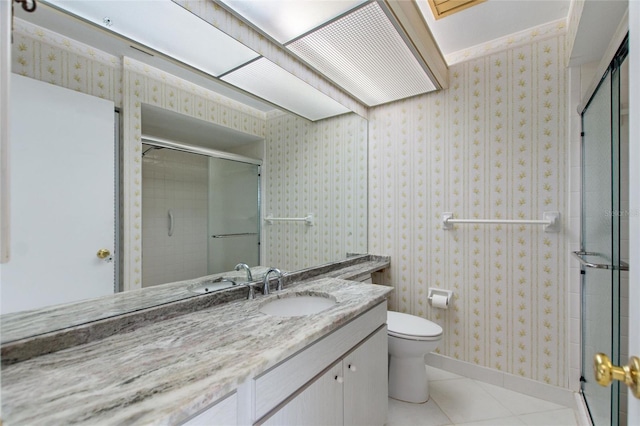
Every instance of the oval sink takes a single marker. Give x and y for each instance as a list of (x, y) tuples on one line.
[(297, 305)]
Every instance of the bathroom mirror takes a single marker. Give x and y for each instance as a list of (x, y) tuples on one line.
[(316, 169)]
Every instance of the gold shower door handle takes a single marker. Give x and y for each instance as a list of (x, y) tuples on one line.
[(606, 372)]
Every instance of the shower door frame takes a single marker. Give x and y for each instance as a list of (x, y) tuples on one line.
[(612, 73)]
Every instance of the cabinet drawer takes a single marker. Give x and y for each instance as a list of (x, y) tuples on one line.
[(223, 413), (281, 381)]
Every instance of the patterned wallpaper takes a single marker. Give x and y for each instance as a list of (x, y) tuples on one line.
[(540, 32), (493, 145), (318, 168), (45, 55)]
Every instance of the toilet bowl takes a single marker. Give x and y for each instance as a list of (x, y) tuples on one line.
[(410, 339)]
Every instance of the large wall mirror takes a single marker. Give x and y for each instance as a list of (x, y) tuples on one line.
[(306, 168)]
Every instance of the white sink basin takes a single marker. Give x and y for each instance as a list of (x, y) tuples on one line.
[(297, 305)]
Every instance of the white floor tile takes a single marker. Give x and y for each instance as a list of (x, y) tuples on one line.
[(503, 421), (519, 403), (565, 417), (407, 414), (438, 374), (464, 400), (460, 401)]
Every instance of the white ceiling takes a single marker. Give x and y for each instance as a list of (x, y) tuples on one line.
[(490, 20), (476, 25)]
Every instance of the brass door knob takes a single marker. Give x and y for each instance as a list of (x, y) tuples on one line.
[(103, 253), (605, 372)]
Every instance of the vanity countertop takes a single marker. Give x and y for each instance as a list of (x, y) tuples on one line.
[(163, 373), (79, 322)]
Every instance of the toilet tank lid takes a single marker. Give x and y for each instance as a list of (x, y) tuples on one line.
[(411, 325)]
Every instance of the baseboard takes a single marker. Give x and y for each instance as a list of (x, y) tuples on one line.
[(539, 390)]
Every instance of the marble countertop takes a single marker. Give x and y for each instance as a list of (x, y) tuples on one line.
[(165, 372), (93, 313)]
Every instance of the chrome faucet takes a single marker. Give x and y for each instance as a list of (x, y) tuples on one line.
[(244, 266), (265, 287)]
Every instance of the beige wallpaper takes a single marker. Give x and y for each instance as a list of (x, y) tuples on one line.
[(318, 168), (491, 146), (45, 55)]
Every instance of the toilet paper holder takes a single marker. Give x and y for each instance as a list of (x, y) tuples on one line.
[(439, 292)]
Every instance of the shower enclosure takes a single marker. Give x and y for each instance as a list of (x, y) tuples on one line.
[(200, 214), (604, 239)]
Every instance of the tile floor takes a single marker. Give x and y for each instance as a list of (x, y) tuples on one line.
[(457, 400)]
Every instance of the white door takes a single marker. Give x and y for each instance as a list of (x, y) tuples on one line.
[(62, 180)]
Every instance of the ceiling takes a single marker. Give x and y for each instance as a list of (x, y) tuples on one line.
[(479, 24), (490, 20)]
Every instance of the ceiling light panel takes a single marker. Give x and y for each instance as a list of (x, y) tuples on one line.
[(363, 53), (174, 32), (285, 20), (268, 81)]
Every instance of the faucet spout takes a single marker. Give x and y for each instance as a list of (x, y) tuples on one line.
[(265, 287), (244, 266)]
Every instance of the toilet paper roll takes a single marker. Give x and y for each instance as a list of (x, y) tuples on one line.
[(440, 301)]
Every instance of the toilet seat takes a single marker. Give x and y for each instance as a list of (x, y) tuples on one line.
[(411, 327)]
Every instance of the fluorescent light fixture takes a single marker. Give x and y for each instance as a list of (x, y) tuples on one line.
[(364, 53), (268, 81), (284, 20), (167, 28)]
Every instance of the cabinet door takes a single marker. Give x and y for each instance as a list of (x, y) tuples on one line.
[(366, 382), (223, 413), (319, 404)]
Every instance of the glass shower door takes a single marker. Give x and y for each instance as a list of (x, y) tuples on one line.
[(234, 227), (600, 247)]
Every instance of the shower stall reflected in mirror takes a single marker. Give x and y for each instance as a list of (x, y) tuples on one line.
[(200, 214)]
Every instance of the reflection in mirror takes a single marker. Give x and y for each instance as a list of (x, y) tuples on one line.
[(307, 167), (200, 214)]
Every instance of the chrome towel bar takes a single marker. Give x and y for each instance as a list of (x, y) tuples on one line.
[(308, 219), (579, 255), (550, 220)]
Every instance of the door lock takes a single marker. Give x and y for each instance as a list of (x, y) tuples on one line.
[(605, 372)]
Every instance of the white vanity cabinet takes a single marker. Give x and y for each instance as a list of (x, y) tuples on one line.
[(340, 379), (222, 413), (366, 382), (318, 404), (353, 391)]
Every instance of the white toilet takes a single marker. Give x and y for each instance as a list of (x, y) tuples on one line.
[(410, 339)]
